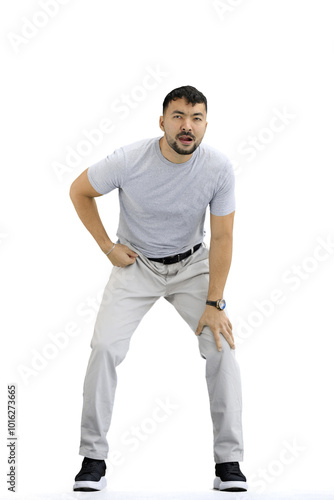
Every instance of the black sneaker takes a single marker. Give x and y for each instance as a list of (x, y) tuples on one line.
[(229, 477), (91, 476)]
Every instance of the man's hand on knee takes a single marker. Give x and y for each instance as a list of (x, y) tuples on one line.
[(219, 324), (122, 256)]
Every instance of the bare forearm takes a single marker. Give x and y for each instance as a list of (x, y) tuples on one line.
[(87, 211), (220, 257)]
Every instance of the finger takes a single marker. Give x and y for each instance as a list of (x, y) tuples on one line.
[(217, 340), (229, 338), (131, 253), (228, 330), (199, 328), (130, 259)]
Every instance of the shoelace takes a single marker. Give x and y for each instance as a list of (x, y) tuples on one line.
[(232, 467), (229, 468), (92, 469), (90, 466)]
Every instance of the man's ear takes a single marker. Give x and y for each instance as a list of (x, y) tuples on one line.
[(161, 123)]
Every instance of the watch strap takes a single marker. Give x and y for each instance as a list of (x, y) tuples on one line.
[(215, 303)]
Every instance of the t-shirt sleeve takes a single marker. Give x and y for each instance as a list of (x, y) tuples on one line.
[(107, 174), (223, 201)]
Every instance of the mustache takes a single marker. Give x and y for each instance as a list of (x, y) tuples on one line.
[(185, 134)]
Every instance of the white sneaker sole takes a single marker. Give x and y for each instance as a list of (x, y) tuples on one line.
[(220, 485), (90, 485)]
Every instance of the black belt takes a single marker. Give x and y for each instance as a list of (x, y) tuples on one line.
[(177, 258)]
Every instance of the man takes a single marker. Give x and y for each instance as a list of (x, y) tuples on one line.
[(165, 185)]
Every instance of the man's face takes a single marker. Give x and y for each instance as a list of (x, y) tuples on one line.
[(184, 125)]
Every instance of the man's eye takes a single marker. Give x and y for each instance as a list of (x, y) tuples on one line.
[(199, 119)]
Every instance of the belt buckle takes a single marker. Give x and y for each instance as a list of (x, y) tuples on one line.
[(178, 257)]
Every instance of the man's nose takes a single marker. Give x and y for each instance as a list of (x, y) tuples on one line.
[(186, 125)]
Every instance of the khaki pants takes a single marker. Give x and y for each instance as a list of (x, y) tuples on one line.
[(129, 294)]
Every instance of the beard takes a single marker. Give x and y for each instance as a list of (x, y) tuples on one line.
[(179, 149)]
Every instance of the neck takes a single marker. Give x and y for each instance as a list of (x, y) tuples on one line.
[(170, 154)]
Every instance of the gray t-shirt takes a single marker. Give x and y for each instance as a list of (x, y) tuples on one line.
[(163, 204)]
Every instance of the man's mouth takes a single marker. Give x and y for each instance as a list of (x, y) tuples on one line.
[(185, 139)]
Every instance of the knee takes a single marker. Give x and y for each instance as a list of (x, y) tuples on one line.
[(114, 351), (208, 347)]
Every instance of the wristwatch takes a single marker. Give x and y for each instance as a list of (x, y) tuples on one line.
[(219, 304)]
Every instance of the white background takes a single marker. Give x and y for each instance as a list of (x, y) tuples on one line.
[(256, 59)]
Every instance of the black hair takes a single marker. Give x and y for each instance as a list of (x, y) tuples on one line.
[(192, 95)]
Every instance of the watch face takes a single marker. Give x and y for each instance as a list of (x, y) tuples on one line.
[(221, 304)]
